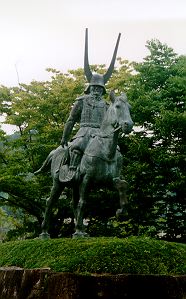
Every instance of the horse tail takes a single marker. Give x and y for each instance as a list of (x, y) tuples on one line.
[(46, 163)]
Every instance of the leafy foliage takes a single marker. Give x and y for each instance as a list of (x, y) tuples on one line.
[(160, 160)]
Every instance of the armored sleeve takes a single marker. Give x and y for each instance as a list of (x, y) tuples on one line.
[(74, 117)]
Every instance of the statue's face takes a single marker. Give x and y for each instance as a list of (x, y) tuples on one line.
[(96, 90)]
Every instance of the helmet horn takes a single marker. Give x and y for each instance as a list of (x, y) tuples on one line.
[(111, 67), (87, 69)]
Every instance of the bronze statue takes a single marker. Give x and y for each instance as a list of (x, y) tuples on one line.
[(92, 155), (88, 110)]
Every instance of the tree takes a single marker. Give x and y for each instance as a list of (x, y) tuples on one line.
[(156, 170), (39, 110)]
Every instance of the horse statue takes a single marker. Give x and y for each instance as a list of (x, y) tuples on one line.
[(101, 163)]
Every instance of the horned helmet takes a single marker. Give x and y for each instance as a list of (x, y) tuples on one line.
[(94, 78)]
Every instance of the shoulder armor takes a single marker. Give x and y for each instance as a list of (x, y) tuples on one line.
[(81, 98)]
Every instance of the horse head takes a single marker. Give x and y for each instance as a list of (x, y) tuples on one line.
[(120, 112)]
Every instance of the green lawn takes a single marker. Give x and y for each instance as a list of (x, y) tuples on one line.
[(134, 255)]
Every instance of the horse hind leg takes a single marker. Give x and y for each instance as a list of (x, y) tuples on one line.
[(79, 210), (121, 186), (75, 200), (54, 196)]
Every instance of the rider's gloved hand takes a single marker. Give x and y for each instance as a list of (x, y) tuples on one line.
[(63, 142)]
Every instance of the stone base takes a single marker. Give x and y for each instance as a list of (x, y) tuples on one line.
[(17, 283)]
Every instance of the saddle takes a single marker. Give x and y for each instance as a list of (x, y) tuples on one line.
[(63, 172), (60, 163)]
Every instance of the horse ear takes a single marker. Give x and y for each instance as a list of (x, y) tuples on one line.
[(112, 96), (123, 94)]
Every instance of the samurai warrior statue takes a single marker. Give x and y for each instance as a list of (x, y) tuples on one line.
[(88, 110)]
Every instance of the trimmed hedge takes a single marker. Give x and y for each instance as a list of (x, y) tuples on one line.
[(134, 255)]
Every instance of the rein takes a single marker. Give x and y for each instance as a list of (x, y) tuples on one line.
[(111, 133)]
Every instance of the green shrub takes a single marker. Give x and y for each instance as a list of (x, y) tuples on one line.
[(135, 255)]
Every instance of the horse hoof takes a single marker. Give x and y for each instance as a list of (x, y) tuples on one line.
[(79, 234), (121, 213), (44, 236)]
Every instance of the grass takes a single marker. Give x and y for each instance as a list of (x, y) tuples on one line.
[(134, 255)]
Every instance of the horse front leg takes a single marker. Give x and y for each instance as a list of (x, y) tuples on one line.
[(79, 210), (121, 186), (54, 196)]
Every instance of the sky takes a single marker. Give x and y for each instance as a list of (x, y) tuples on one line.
[(39, 34)]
